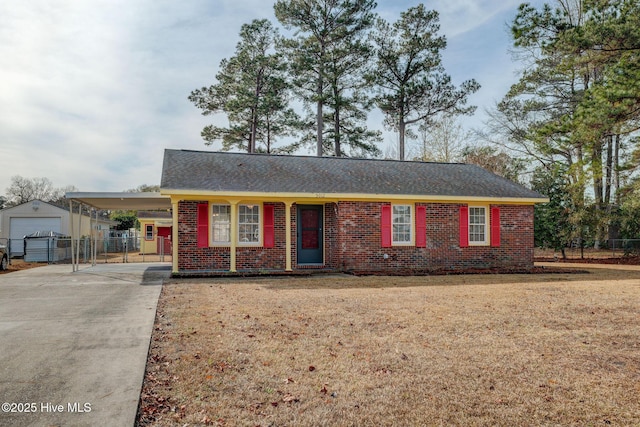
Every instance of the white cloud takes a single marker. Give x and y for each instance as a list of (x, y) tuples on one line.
[(92, 92)]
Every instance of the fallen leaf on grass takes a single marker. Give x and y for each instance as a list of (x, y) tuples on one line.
[(290, 398)]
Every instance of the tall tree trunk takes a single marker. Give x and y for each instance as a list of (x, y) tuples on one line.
[(598, 191), (254, 113), (320, 124), (336, 132), (402, 125), (268, 142), (596, 170), (254, 129), (606, 223), (401, 129), (608, 171), (616, 169), (320, 105)]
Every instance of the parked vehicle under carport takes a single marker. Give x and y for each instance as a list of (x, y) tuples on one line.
[(4, 258)]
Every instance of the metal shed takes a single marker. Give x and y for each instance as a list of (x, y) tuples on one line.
[(46, 246)]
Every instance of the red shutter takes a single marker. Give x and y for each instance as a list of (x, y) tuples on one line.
[(495, 227), (464, 226), (421, 226), (268, 221), (203, 225), (385, 225)]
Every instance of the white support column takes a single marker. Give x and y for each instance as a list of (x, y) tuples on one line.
[(79, 235), (71, 233), (234, 236), (95, 240), (287, 216), (91, 236), (174, 236)]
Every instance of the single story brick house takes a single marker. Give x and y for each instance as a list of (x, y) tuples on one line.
[(240, 213)]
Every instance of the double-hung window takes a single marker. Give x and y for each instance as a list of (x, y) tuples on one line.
[(477, 225), (249, 224), (221, 224), (148, 232), (401, 225)]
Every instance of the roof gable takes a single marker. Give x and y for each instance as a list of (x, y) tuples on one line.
[(185, 170), (34, 205)]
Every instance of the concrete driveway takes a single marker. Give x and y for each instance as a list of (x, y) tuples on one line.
[(73, 346)]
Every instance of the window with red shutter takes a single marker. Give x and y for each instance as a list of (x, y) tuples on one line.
[(421, 226), (269, 230), (464, 226), (495, 227), (203, 225), (385, 225)]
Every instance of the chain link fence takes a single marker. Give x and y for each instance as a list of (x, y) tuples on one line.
[(612, 248), (624, 247), (107, 250)]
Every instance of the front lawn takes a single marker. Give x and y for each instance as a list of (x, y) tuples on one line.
[(483, 350)]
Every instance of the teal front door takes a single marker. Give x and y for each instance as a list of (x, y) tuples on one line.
[(310, 242)]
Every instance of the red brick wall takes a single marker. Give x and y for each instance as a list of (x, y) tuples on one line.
[(331, 235), (352, 242), (192, 258), (259, 258), (360, 241)]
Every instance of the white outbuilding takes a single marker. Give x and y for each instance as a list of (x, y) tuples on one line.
[(22, 220)]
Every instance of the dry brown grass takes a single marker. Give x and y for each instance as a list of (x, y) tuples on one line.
[(485, 350)]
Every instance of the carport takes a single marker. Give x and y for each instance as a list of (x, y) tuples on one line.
[(109, 201)]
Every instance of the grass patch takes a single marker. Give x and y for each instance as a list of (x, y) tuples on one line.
[(445, 350)]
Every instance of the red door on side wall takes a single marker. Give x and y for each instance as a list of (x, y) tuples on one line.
[(165, 233)]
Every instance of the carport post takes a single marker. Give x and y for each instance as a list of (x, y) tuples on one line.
[(73, 255), (93, 224), (78, 241), (95, 240)]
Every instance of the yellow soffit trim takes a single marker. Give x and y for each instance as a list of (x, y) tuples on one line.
[(334, 197)]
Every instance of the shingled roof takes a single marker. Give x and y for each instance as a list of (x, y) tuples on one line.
[(185, 170)]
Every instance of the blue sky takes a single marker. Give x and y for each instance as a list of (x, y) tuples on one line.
[(92, 92)]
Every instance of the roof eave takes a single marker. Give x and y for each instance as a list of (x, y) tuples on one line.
[(121, 200), (182, 194)]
